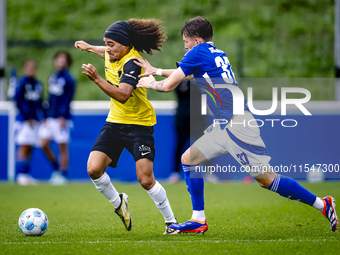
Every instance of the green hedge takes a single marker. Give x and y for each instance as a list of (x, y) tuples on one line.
[(282, 38)]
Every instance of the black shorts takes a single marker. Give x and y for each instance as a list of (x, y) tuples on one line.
[(137, 139)]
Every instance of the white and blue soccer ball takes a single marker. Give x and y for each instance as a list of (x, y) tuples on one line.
[(33, 222)]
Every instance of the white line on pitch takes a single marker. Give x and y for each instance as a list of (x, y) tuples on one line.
[(173, 241)]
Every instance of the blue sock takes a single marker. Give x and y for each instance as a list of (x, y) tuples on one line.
[(290, 189), (64, 173), (195, 186), (23, 166)]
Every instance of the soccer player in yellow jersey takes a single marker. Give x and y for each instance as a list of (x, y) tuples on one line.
[(131, 118)]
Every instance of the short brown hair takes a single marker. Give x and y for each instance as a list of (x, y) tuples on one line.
[(68, 57), (198, 27)]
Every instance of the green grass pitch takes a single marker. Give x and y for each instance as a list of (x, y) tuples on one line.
[(242, 219)]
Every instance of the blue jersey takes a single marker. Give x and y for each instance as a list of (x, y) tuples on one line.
[(210, 66), (61, 89), (28, 97)]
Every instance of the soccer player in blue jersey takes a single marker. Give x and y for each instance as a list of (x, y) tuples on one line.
[(210, 67), (58, 123), (28, 98)]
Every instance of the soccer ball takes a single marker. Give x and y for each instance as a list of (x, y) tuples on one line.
[(33, 222)]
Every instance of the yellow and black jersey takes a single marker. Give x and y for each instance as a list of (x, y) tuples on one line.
[(137, 109)]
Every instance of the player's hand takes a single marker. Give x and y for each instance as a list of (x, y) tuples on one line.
[(143, 63), (82, 45), (90, 72), (146, 82)]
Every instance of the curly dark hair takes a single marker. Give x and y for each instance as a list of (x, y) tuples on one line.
[(147, 34), (198, 27)]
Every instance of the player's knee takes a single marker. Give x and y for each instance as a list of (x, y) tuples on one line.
[(93, 170), (147, 185), (185, 159), (146, 182), (265, 179), (265, 182), (24, 152), (44, 146)]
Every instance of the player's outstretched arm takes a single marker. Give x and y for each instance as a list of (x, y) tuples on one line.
[(121, 93), (150, 70), (167, 85), (99, 50)]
